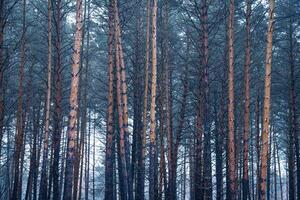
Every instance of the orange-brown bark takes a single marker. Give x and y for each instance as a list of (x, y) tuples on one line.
[(267, 98)]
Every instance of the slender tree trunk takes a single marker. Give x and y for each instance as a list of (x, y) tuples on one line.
[(279, 170), (291, 155), (121, 104), (171, 188), (207, 169), (275, 167), (180, 122), (137, 138), (44, 174), (87, 164), (219, 149), (72, 129), (28, 195), (198, 154), (109, 135), (231, 143), (17, 191), (85, 102), (64, 152), (269, 163), (153, 148), (58, 107), (140, 194), (247, 105), (162, 162), (267, 97), (123, 87), (94, 161)]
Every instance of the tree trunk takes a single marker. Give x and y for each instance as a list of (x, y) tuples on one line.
[(121, 104), (85, 104), (247, 105), (207, 168), (231, 143), (94, 161), (123, 88), (219, 149), (109, 137), (137, 138), (180, 122), (44, 173), (72, 130), (275, 167), (17, 191), (140, 194), (279, 170), (58, 107), (153, 148), (266, 114)]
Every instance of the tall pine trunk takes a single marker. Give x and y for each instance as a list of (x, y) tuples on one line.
[(17, 190), (140, 188), (58, 107), (72, 129), (153, 147), (231, 143), (267, 98), (109, 135), (247, 105), (44, 173)]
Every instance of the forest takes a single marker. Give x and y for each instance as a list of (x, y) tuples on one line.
[(149, 99)]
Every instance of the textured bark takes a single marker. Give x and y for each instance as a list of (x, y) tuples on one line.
[(121, 104), (137, 137), (123, 87), (153, 148), (72, 129), (140, 187), (109, 132), (167, 81), (231, 143), (17, 190), (207, 169), (58, 107), (247, 105), (44, 173), (267, 98)]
